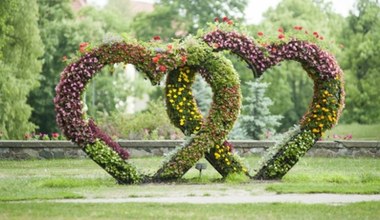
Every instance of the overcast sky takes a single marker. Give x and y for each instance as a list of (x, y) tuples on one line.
[(256, 8)]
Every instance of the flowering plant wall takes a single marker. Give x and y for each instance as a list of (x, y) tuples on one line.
[(154, 60), (180, 61), (328, 99)]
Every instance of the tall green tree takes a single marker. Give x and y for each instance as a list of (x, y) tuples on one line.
[(361, 63), (176, 18), (256, 119), (290, 87), (113, 18), (61, 33), (203, 94), (20, 65), (7, 9), (54, 16)]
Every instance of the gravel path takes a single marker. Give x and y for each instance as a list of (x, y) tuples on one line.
[(269, 198)]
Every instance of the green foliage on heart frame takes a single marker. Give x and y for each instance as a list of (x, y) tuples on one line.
[(112, 163), (207, 135), (328, 99), (155, 60), (184, 114)]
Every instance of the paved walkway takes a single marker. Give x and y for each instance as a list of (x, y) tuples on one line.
[(270, 198)]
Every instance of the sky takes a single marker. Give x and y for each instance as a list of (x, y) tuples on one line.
[(256, 8), (260, 6)]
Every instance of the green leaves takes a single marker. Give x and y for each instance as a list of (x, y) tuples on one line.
[(20, 66)]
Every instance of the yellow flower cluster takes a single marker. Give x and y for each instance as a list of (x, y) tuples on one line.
[(323, 114), (182, 101), (223, 153)]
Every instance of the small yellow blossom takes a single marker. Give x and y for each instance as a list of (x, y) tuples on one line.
[(217, 156)]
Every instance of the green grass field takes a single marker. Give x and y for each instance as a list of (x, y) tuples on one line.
[(27, 186), (58, 179), (358, 131), (275, 211)]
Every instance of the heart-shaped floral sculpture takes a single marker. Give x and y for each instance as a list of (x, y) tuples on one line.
[(208, 136), (154, 60), (327, 102)]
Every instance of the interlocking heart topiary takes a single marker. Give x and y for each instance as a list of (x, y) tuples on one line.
[(180, 61)]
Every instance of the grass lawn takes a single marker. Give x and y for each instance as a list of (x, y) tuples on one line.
[(368, 210), (358, 132), (42, 180), (58, 179)]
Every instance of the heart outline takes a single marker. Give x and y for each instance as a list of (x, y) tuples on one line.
[(99, 146), (321, 68)]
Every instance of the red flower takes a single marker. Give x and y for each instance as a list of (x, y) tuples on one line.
[(321, 38), (155, 59), (281, 36), (83, 46), (162, 68), (260, 34), (297, 28), (230, 22), (280, 30), (157, 38), (225, 18), (55, 135), (216, 19), (184, 59), (316, 34), (170, 47)]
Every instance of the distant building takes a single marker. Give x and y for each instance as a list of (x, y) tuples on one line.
[(78, 4), (131, 104), (141, 6)]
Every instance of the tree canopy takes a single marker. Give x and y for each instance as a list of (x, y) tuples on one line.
[(361, 40), (20, 65)]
